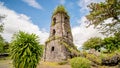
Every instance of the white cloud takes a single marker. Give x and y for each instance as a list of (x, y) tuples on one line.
[(62, 1), (83, 4), (33, 3), (81, 33), (15, 22)]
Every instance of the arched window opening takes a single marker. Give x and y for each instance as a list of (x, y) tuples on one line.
[(52, 49), (54, 31), (67, 34), (54, 20), (65, 19), (71, 56)]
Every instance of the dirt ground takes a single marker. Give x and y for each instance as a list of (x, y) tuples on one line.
[(6, 64)]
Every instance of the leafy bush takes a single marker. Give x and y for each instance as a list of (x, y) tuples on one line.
[(94, 58), (25, 50), (83, 53), (108, 55), (80, 62)]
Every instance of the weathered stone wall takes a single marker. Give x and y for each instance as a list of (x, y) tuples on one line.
[(62, 26), (59, 53), (59, 31)]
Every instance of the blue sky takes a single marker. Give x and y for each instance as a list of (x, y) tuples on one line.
[(42, 16), (34, 16)]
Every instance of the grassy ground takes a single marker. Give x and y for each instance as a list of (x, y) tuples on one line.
[(52, 65), (7, 63)]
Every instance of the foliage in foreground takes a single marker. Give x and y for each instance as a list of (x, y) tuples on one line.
[(80, 62), (25, 50)]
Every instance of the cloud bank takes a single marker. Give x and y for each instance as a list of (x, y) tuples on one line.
[(82, 34), (15, 22)]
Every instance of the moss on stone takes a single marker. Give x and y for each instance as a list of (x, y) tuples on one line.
[(69, 30), (60, 9), (53, 23), (71, 49), (52, 38)]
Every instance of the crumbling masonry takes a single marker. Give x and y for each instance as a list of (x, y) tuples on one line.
[(59, 46)]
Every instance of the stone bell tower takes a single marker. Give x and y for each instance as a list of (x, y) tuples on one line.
[(59, 46)]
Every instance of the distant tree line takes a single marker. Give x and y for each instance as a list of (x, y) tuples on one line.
[(111, 43), (3, 44)]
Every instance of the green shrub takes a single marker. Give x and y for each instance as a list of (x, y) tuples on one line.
[(94, 58), (84, 53), (108, 55), (80, 62), (103, 55), (26, 51)]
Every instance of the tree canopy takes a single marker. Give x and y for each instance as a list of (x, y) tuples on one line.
[(112, 43), (2, 41), (1, 22), (100, 12), (94, 42), (25, 50)]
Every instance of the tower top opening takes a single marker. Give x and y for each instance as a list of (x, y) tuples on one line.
[(60, 9)]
